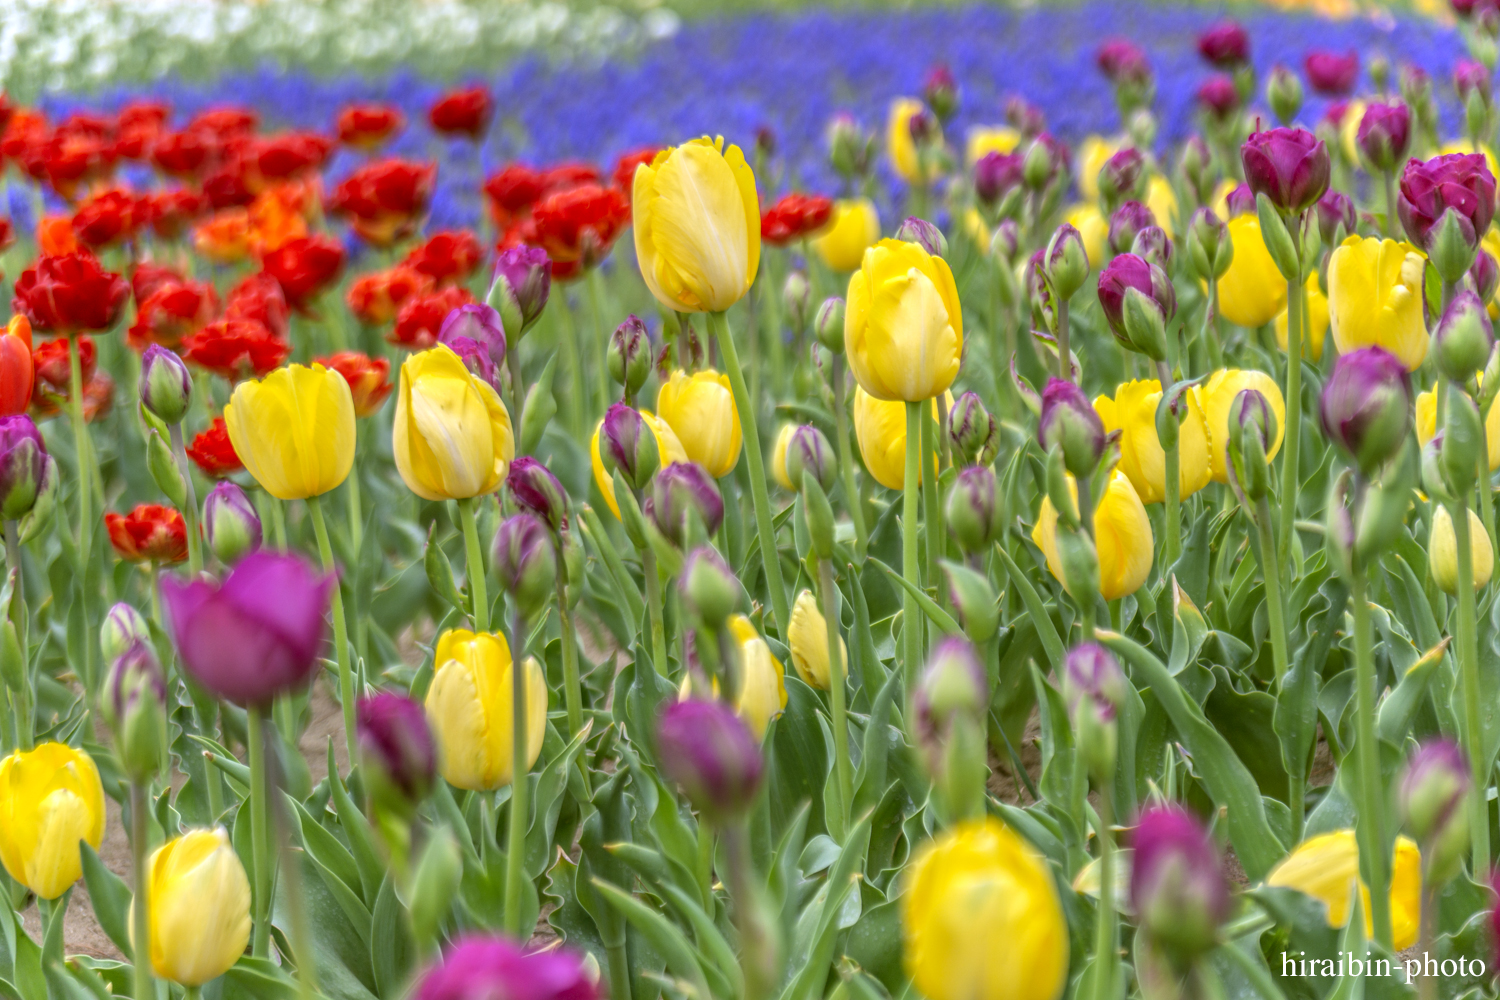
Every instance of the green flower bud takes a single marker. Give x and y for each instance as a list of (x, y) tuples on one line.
[(829, 324), (629, 356), (134, 705)]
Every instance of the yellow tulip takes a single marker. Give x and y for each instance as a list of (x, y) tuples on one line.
[(903, 327), (1122, 537), (1252, 291), (1315, 326), (1375, 298), (901, 147), (200, 907), (700, 410), (985, 139), (1162, 201), (1216, 397), (697, 225), (1093, 153), (469, 705), (1442, 551), (1323, 866), (808, 636), (1133, 413), (1093, 227), (1354, 111), (762, 678), (50, 799), (880, 429), (452, 436), (855, 228), (778, 456), (1427, 423), (978, 230), (668, 448), (981, 918), (1220, 201), (294, 430)]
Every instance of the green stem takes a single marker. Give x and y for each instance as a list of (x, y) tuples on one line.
[(1390, 204), (1172, 483), (829, 598), (478, 593), (601, 335), (1211, 326), (1473, 696), (340, 627), (307, 966), (515, 849), (83, 448), (1104, 923), (278, 522), (24, 711), (705, 871), (260, 833), (195, 543), (770, 559), (911, 614), (571, 694), (932, 520), (1374, 848), (572, 356), (1291, 443), (1276, 613), (846, 461), (140, 832), (1064, 361), (653, 607)]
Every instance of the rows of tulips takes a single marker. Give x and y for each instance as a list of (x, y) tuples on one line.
[(1081, 599)]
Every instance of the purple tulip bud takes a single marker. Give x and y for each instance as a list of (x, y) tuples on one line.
[(809, 451), (1415, 84), (479, 968), (123, 627), (1092, 674), (25, 466), (1024, 117), (134, 706), (924, 234), (537, 491), (1484, 275), (476, 359), (996, 174), (522, 281), (1336, 218), (1288, 165), (1331, 74), (1251, 413), (1129, 271), (255, 635), (1225, 45), (628, 446), (480, 324), (1127, 220), (1070, 423), (1284, 93), (1123, 63), (1045, 158), (525, 561), (1123, 177), (1384, 134), (924, 127), (1177, 882), (710, 752), (1366, 406), (683, 487), (765, 140), (952, 684), (230, 524), (1240, 201), (940, 92), (629, 354), (709, 588), (1153, 244), (1470, 77), (1219, 97), (973, 431), (397, 753), (1460, 182), (1431, 794), (166, 385), (1067, 261), (1463, 338), (975, 509)]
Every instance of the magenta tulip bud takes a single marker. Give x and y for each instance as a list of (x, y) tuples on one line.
[(629, 355), (123, 627), (765, 140), (1006, 241), (1177, 882), (480, 324), (1366, 406), (522, 282), (1384, 134), (476, 358), (1129, 271), (25, 466), (1127, 220), (628, 446), (397, 753), (1460, 182), (712, 755), (1225, 45), (996, 174), (924, 234), (809, 451), (537, 491), (1092, 674), (1431, 800), (952, 683), (1331, 74), (1288, 165), (975, 510), (1470, 77), (1484, 275), (1219, 97), (1123, 63), (1284, 93), (1123, 177), (1336, 218), (924, 127), (257, 634), (1070, 423), (231, 525), (940, 92), (1024, 117), (526, 561), (1067, 261), (1195, 165), (683, 487), (1462, 340), (973, 431), (166, 385), (1240, 201), (479, 968)]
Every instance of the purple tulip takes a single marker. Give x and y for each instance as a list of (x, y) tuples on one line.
[(1130, 271), (166, 385), (1219, 96), (1366, 406), (973, 430), (479, 323), (1385, 134), (1240, 201), (1336, 209), (1225, 45), (123, 627), (522, 282), (708, 750), (1068, 421), (1472, 77), (940, 91), (230, 524), (1125, 221), (1485, 276), (24, 466), (537, 491), (628, 445), (525, 560), (256, 634), (1044, 159), (494, 968), (1460, 182), (476, 358), (1288, 165), (1122, 175), (1024, 117), (1462, 340), (809, 451), (396, 747), (996, 174), (1177, 881), (1331, 74), (924, 234), (1123, 62), (678, 488)]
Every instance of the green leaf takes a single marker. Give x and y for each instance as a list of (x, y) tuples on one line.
[(538, 410), (110, 896), (1045, 630), (662, 933), (929, 607), (391, 948)]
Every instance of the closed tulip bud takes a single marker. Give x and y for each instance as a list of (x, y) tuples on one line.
[(1067, 261), (1127, 220), (940, 92), (476, 359), (1463, 338), (1384, 135), (1433, 799), (230, 524), (50, 799), (25, 467), (829, 324), (924, 234), (709, 588), (1379, 69), (166, 386), (123, 627), (807, 635), (1154, 246), (1043, 161), (1336, 218), (1284, 94), (678, 489), (435, 885), (809, 451), (1432, 469), (199, 907), (1078, 558), (398, 757), (1366, 406), (469, 708), (1070, 423), (1122, 178), (1177, 883), (974, 600), (1252, 431), (850, 148), (522, 282), (1484, 276), (481, 326), (1094, 686), (946, 723), (134, 706), (629, 355), (1290, 166), (525, 561), (796, 300), (537, 491), (1442, 551), (975, 509), (1463, 442), (628, 446), (1195, 165), (711, 754), (1006, 240), (1210, 251), (973, 431)]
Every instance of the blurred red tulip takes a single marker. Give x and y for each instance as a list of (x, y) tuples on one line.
[(70, 294), (795, 217), (108, 217), (624, 172), (580, 224), (213, 452), (150, 532), (172, 311), (305, 267), (367, 127), (384, 200), (376, 298), (462, 112), (182, 154), (259, 297), (171, 212), (447, 257), (235, 349), (368, 378), (420, 319)]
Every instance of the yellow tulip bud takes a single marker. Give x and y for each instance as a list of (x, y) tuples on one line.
[(1375, 290), (452, 436), (855, 228), (469, 706), (778, 457), (1323, 867), (1122, 538), (899, 144), (1217, 395), (200, 907), (667, 446), (903, 327), (981, 918), (700, 410), (50, 799), (1162, 201), (1133, 413), (984, 139), (697, 225), (294, 430), (762, 677), (1427, 423), (1093, 227), (1252, 291), (880, 429), (1442, 551), (808, 636), (1316, 323), (1093, 153)]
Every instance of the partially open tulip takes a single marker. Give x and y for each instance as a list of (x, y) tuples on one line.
[(469, 706), (151, 531), (700, 410), (1122, 538), (697, 226), (1315, 323), (1426, 412), (679, 489), (1132, 412), (903, 326), (855, 228), (199, 904), (1459, 182), (1375, 294), (452, 436), (294, 430), (1216, 396), (50, 799), (668, 449), (1252, 291), (1325, 865), (1442, 551), (880, 429), (808, 637), (981, 918)]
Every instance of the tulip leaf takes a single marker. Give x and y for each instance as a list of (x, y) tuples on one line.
[(664, 936), (711, 942), (1052, 644), (357, 829), (594, 531), (538, 409), (258, 979), (391, 948), (110, 896), (546, 802), (939, 617), (813, 971)]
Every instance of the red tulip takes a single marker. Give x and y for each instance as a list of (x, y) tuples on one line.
[(171, 212), (17, 372), (149, 276), (624, 172), (7, 234), (223, 123), (580, 224), (108, 218), (447, 257), (305, 266), (376, 298), (420, 320), (182, 154), (235, 349), (462, 112), (512, 192), (150, 532), (384, 200), (259, 297), (368, 378), (136, 128), (289, 154), (794, 217), (172, 311), (49, 360), (369, 126), (213, 452), (70, 294)]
